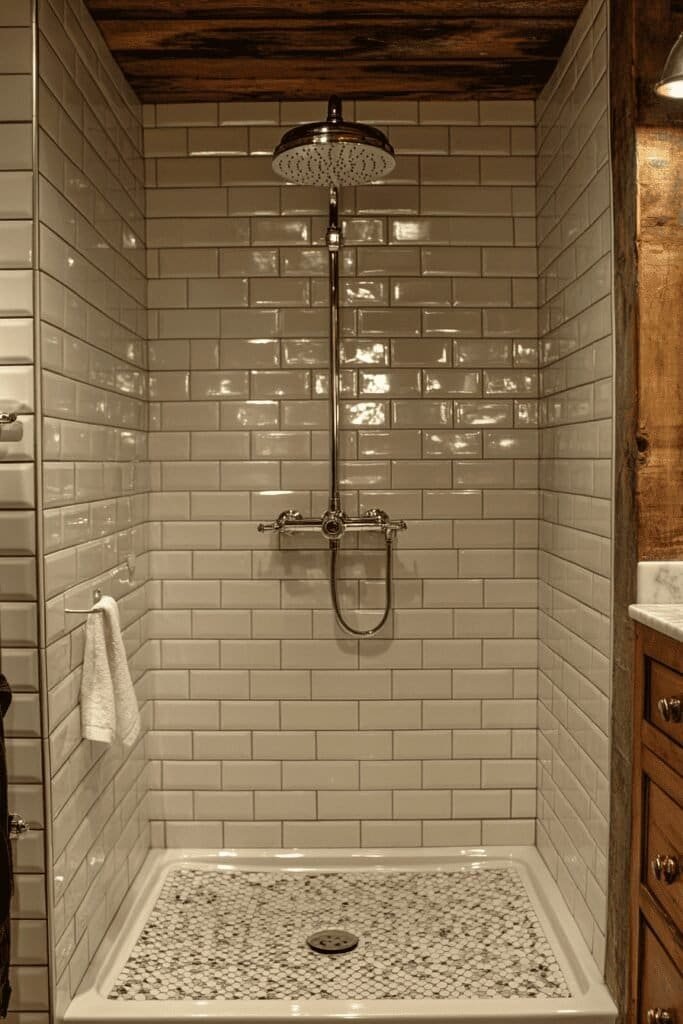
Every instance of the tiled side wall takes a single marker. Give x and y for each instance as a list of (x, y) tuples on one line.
[(93, 296), (271, 727), (575, 247), (18, 570)]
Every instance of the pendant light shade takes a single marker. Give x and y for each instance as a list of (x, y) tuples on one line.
[(671, 82)]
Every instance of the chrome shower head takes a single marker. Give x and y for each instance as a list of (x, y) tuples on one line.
[(333, 152)]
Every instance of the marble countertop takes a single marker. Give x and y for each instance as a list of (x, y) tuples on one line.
[(665, 618)]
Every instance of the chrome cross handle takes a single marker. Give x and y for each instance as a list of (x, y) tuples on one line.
[(379, 515), (383, 522), (286, 518)]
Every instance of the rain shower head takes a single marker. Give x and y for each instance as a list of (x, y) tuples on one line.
[(333, 152)]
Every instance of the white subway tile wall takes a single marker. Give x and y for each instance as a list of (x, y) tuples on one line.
[(575, 558), (95, 473), (18, 563), (271, 726)]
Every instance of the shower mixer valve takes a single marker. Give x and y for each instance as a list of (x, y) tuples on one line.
[(334, 524)]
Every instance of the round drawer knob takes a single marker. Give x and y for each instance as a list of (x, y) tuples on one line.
[(670, 708), (659, 1016), (665, 867)]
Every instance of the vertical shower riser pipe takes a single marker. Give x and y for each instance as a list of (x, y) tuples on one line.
[(334, 241)]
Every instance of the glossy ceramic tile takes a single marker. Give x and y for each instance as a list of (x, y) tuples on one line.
[(95, 474), (575, 410), (439, 393), (400, 382), (18, 567)]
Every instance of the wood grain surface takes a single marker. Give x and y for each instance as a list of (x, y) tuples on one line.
[(660, 353), (209, 50), (367, 10)]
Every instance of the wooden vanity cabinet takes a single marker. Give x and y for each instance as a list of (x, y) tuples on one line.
[(657, 839)]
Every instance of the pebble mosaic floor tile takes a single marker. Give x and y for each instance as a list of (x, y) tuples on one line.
[(469, 934)]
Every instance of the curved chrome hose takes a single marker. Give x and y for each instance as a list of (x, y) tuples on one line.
[(334, 550)]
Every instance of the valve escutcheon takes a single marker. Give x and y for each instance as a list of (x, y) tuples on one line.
[(332, 525)]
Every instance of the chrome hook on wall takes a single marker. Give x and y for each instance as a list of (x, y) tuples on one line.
[(129, 564)]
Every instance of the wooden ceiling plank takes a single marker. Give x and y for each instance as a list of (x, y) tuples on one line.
[(500, 80), (324, 9), (301, 90), (402, 39), (227, 49), (281, 71)]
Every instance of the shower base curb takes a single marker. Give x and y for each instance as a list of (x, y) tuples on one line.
[(590, 1002)]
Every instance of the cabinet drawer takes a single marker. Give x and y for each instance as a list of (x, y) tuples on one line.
[(661, 985), (663, 866), (665, 698)]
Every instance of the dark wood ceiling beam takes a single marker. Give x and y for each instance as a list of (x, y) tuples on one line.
[(106, 10), (394, 40), (304, 49), (252, 69), (498, 80)]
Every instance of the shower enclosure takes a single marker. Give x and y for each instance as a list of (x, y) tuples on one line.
[(177, 343), (333, 153)]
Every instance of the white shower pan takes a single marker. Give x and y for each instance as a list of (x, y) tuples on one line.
[(516, 876)]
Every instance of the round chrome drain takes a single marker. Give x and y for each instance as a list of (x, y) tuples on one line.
[(332, 940)]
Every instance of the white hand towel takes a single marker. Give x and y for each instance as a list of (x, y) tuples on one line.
[(109, 708)]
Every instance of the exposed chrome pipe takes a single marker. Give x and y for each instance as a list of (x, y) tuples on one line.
[(333, 153), (374, 521), (388, 588), (333, 524), (334, 241)]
